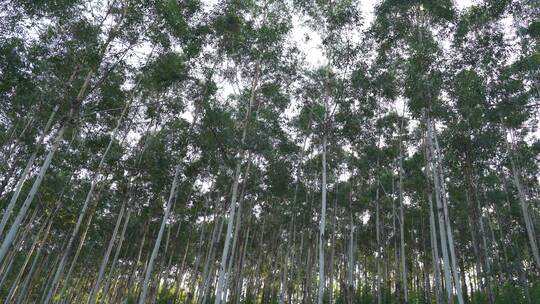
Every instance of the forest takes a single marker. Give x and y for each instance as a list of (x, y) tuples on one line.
[(270, 151)]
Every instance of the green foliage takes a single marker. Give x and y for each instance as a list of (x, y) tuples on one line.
[(232, 30), (165, 71), (41, 8), (187, 71), (534, 29)]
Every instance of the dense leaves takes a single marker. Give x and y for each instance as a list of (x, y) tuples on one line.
[(240, 151)]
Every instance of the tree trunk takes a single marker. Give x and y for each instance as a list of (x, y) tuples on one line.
[(455, 270), (232, 207), (524, 204), (93, 294), (172, 198), (435, 251), (8, 240), (322, 225), (116, 255), (402, 226), (24, 174), (432, 171)]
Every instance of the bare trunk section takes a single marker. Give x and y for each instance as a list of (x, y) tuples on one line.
[(151, 261), (116, 255), (232, 207), (10, 236), (24, 174), (93, 294), (455, 270), (432, 173), (402, 226), (524, 204)]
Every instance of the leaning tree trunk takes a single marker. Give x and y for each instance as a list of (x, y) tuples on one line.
[(8, 240), (232, 207), (455, 270), (237, 228), (524, 204), (78, 251), (440, 214), (24, 174), (73, 112), (7, 155), (116, 255), (93, 294), (151, 261), (45, 227)]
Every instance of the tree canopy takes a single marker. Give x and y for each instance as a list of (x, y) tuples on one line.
[(269, 151)]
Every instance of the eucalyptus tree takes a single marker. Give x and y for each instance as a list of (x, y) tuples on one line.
[(421, 86), (337, 23), (251, 36), (480, 42), (189, 151), (72, 114)]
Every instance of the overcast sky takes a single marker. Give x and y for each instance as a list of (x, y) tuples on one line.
[(312, 47)]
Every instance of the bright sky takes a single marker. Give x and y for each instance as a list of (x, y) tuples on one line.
[(312, 47)]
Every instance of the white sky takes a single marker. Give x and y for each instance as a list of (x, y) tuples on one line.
[(312, 47)]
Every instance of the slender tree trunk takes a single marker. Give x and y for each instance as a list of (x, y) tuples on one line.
[(181, 270), (232, 208), (132, 277), (322, 225), (442, 226), (435, 251), (73, 113), (240, 280), (524, 204), (19, 243), (402, 226), (455, 270), (236, 229), (350, 262), (205, 275), (216, 237), (26, 171), (8, 155), (379, 245), (442, 205), (332, 253), (15, 284), (8, 240), (93, 294), (172, 198), (48, 281), (77, 252), (116, 255), (24, 291)]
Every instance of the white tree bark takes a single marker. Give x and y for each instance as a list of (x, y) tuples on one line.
[(524, 204), (10, 236), (455, 270), (232, 207), (24, 174), (116, 255), (172, 198), (322, 225), (434, 251), (402, 227), (93, 295), (440, 215)]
